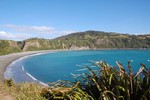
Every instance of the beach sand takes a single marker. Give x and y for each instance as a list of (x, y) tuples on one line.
[(5, 60)]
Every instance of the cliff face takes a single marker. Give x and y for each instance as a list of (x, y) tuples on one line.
[(90, 40), (7, 46), (74, 47), (78, 41), (37, 44), (13, 44), (31, 44), (103, 42)]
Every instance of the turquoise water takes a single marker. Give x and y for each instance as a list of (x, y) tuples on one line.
[(60, 65)]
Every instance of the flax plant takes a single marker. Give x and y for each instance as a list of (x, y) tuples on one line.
[(116, 83), (100, 82), (65, 90)]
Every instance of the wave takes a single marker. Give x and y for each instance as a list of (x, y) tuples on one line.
[(31, 76), (75, 75), (36, 80), (23, 68), (8, 74), (82, 69), (131, 60)]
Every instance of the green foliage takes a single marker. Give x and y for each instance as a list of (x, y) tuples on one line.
[(9, 82), (65, 90), (88, 39), (46, 94), (98, 39), (112, 83), (22, 91), (101, 83), (28, 91), (6, 47)]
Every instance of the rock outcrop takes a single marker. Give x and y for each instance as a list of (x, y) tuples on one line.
[(29, 44), (74, 47)]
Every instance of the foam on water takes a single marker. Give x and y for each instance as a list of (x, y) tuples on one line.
[(9, 73), (36, 80), (22, 68), (31, 76), (82, 69)]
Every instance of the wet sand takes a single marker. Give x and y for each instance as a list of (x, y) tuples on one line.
[(5, 60)]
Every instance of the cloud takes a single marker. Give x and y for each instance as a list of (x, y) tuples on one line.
[(29, 29), (6, 35), (36, 29), (10, 36), (21, 32)]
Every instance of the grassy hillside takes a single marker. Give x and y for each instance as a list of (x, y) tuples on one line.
[(90, 40), (7, 46), (96, 39), (77, 41)]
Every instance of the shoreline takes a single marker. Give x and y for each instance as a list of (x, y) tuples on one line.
[(6, 60)]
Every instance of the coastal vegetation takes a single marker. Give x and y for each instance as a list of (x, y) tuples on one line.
[(78, 41), (7, 46), (102, 82)]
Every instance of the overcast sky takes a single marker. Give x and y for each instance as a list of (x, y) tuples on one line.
[(22, 19)]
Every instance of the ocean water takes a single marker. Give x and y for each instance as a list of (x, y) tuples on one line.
[(63, 65)]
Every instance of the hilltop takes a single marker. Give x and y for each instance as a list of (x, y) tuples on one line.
[(102, 40), (78, 41)]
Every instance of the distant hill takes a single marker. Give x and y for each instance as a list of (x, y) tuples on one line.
[(79, 41), (8, 46), (98, 39)]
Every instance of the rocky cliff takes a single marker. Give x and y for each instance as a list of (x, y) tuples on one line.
[(33, 43), (8, 46)]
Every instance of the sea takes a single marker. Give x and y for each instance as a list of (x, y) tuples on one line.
[(68, 65)]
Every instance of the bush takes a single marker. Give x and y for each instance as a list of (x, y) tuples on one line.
[(64, 90), (115, 83), (104, 83), (9, 82)]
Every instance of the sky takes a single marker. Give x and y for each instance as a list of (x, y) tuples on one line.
[(23, 19)]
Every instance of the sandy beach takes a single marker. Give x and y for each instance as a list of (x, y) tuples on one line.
[(5, 60)]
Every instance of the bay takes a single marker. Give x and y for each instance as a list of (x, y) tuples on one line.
[(62, 65)]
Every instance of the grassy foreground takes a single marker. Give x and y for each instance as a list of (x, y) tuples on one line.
[(102, 82)]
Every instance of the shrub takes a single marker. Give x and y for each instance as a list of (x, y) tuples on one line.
[(9, 82), (64, 90), (115, 83), (104, 83)]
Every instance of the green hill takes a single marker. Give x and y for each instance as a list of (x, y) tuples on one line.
[(96, 39), (79, 41), (8, 46)]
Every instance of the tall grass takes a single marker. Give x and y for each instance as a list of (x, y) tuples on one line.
[(116, 83), (22, 91), (104, 83)]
